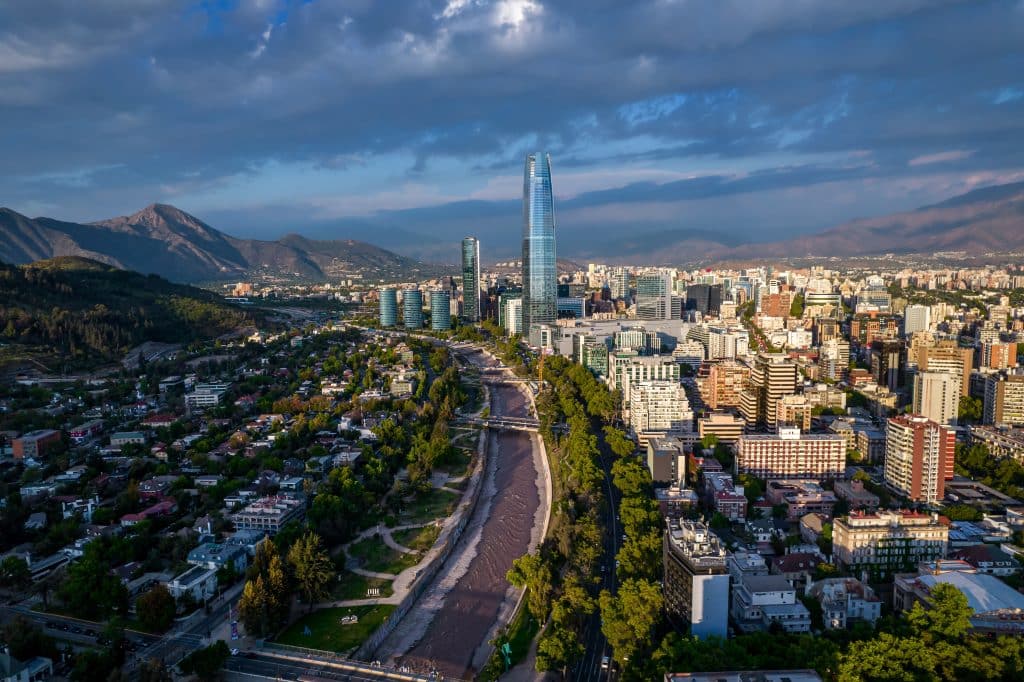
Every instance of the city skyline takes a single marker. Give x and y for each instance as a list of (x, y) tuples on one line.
[(789, 119)]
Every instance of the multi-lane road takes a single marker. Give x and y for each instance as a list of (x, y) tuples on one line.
[(596, 650)]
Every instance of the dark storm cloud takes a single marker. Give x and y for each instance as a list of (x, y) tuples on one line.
[(110, 104)]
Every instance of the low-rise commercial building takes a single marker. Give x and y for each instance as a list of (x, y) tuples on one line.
[(760, 601)]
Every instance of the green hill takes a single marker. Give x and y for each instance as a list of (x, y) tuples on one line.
[(88, 312)]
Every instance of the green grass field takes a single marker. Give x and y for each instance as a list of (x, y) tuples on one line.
[(374, 555), (326, 632), (435, 504), (352, 586), (419, 539)]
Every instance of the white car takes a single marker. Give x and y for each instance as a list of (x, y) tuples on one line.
[(606, 663)]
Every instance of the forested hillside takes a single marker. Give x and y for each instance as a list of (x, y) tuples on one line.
[(89, 312)]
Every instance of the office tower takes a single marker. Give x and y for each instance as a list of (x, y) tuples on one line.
[(471, 294), (791, 454), (773, 376), (659, 406), (696, 579), (704, 298), (937, 396), (540, 276), (638, 339), (888, 360), (440, 310), (947, 356), (916, 318), (1004, 399), (412, 309), (654, 296), (918, 457), (574, 307), (503, 299), (388, 308), (887, 542)]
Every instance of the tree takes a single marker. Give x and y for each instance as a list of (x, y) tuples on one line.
[(90, 590), (947, 618), (534, 574), (206, 663), (312, 567), (629, 617), (25, 640), (156, 609), (14, 573), (970, 409), (154, 671)]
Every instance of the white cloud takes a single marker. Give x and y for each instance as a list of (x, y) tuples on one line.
[(940, 157)]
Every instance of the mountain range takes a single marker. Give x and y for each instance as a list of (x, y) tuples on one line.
[(164, 240)]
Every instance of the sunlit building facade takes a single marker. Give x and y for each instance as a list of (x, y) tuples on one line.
[(540, 276)]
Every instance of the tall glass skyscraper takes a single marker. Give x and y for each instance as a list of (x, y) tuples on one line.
[(471, 279), (540, 278), (388, 307), (440, 310), (412, 308)]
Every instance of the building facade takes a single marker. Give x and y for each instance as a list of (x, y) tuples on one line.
[(919, 457), (887, 542), (388, 308), (412, 309), (696, 579), (471, 293), (540, 274), (789, 454), (440, 310)]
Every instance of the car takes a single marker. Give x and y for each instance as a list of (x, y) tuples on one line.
[(234, 652), (52, 625), (606, 663)]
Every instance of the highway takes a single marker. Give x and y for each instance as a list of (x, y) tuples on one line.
[(596, 646)]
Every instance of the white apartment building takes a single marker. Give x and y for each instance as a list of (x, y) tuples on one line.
[(659, 406), (937, 396), (791, 454)]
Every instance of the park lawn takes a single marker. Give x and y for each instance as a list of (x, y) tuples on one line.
[(374, 555), (429, 506), (352, 586), (328, 634), (418, 539)]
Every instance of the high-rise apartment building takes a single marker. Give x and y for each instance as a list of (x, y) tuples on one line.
[(724, 384), (471, 294), (773, 376), (388, 308), (440, 310), (618, 282), (887, 542), (916, 318), (834, 359), (696, 579), (791, 454), (918, 457), (947, 356), (937, 396), (540, 274), (654, 296), (513, 308), (627, 369), (659, 407), (728, 342), (1004, 399), (412, 309), (997, 355)]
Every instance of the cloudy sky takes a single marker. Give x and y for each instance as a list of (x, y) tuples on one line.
[(405, 122)]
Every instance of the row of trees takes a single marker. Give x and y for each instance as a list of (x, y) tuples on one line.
[(559, 578), (271, 581)]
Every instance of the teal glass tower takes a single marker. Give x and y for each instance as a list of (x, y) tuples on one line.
[(412, 308), (540, 278), (440, 310), (388, 308), (471, 279)]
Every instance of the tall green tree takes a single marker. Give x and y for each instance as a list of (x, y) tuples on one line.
[(312, 567), (629, 617)]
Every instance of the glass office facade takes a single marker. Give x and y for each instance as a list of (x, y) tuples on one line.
[(471, 279), (440, 310), (540, 277), (388, 307), (412, 308)]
